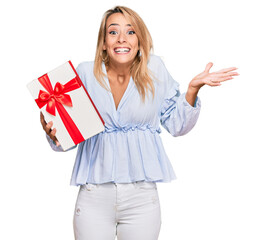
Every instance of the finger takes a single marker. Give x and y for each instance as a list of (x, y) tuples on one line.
[(53, 137), (42, 119), (213, 84), (220, 79), (227, 69), (208, 67), (47, 127), (224, 79), (53, 132), (57, 143), (224, 74)]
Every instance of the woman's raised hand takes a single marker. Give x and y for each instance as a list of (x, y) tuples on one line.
[(212, 79), (47, 128)]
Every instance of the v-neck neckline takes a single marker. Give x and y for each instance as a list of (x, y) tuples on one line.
[(110, 92)]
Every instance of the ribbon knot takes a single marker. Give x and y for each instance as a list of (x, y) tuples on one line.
[(58, 94)]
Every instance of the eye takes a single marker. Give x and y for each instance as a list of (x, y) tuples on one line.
[(131, 32), (113, 32)]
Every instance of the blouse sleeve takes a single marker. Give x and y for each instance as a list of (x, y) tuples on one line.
[(178, 117)]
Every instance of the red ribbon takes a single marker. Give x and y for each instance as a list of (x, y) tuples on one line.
[(55, 99)]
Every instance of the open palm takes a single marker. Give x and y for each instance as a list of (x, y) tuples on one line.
[(214, 78)]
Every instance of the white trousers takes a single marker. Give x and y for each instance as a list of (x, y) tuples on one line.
[(130, 211)]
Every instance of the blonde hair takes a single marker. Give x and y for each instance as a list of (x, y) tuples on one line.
[(139, 70)]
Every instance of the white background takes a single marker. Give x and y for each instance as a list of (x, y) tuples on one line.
[(220, 191)]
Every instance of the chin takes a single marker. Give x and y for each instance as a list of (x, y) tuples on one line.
[(122, 60)]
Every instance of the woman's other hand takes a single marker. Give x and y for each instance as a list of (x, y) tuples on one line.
[(212, 79), (47, 128), (207, 78)]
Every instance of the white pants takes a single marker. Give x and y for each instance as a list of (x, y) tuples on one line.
[(129, 210)]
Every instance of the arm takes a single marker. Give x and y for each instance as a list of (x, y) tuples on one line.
[(178, 112), (178, 116), (191, 95), (206, 78)]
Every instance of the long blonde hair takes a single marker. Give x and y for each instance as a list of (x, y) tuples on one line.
[(139, 70)]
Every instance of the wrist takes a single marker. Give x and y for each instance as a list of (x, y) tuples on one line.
[(193, 90), (195, 85)]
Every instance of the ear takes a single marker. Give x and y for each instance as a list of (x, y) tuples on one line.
[(104, 47)]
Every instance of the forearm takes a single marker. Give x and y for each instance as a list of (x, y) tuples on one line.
[(179, 116), (191, 95)]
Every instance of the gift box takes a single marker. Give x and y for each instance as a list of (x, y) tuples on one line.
[(63, 99)]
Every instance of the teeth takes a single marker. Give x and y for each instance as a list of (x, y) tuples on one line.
[(121, 50)]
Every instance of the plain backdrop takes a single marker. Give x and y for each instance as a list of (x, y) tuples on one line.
[(220, 165)]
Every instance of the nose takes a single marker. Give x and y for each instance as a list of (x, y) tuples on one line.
[(121, 38)]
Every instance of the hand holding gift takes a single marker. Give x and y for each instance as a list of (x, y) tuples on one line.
[(66, 106), (47, 128)]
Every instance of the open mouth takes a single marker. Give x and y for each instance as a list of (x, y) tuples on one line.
[(122, 50)]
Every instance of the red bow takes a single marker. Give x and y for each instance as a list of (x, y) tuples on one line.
[(58, 94), (55, 98)]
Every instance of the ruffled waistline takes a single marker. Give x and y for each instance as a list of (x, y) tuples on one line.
[(130, 128)]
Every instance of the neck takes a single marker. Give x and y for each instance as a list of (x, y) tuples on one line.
[(118, 72)]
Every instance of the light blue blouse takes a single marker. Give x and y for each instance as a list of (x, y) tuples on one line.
[(130, 148)]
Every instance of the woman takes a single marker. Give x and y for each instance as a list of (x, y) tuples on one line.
[(117, 169)]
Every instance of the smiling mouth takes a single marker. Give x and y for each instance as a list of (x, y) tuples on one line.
[(122, 50)]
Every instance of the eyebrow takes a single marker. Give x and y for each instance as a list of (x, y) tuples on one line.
[(116, 24)]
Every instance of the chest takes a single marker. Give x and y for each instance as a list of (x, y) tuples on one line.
[(118, 90), (123, 106)]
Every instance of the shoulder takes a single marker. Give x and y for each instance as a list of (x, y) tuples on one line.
[(155, 62), (161, 75), (157, 68), (85, 72), (83, 67)]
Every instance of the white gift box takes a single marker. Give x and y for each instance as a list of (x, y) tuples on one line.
[(63, 99)]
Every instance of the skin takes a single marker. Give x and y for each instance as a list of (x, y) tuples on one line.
[(120, 34), (213, 79)]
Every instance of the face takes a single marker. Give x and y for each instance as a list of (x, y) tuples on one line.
[(121, 42)]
